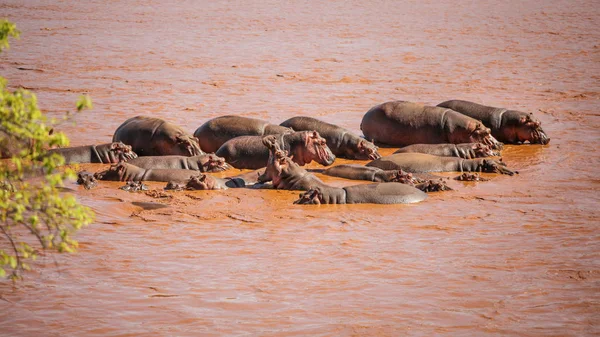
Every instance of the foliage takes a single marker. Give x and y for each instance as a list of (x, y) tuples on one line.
[(34, 215)]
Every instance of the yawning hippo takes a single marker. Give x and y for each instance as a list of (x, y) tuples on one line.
[(285, 174), (248, 152), (401, 123), (149, 136), (464, 150), (215, 132), (202, 163), (342, 142), (508, 126), (420, 162), (104, 153)]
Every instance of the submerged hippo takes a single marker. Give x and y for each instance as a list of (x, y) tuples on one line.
[(286, 174), (401, 123), (104, 153), (508, 126), (189, 178), (249, 152), (342, 142), (204, 182), (379, 193), (202, 163), (149, 136), (369, 173), (420, 162), (464, 150), (127, 172), (215, 132)]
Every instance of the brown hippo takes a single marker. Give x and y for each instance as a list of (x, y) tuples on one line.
[(149, 136), (401, 123), (248, 152), (104, 153), (361, 172), (379, 193), (127, 172), (202, 163), (88, 180), (215, 132), (420, 162), (464, 150), (286, 174), (206, 182), (342, 142), (369, 173), (508, 126)]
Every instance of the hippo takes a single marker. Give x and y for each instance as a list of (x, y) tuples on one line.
[(379, 193), (420, 162), (109, 153), (286, 174), (401, 123), (149, 136), (342, 142), (127, 172), (283, 172), (361, 172), (248, 152), (215, 132), (202, 163), (369, 173), (87, 179), (205, 182), (508, 126), (464, 150)]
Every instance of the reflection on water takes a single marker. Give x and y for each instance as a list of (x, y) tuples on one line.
[(510, 256)]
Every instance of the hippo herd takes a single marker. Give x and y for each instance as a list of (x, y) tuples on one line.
[(453, 136)]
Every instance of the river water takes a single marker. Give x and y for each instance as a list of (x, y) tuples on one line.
[(512, 256)]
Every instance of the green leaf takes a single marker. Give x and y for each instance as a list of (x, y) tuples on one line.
[(84, 102)]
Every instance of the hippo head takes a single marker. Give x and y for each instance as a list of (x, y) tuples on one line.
[(483, 150), (200, 182), (86, 179), (400, 176), (175, 186), (313, 196), (189, 146), (367, 150), (528, 128), (114, 172), (213, 163), (122, 152), (280, 165), (315, 148), (493, 166), (481, 134)]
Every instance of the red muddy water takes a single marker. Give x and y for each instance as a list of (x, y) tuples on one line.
[(511, 256)]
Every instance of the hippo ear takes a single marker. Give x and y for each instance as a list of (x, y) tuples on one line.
[(315, 134)]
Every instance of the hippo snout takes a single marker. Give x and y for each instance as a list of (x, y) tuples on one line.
[(542, 137), (329, 159)]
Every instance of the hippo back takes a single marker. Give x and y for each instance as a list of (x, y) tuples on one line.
[(215, 132)]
